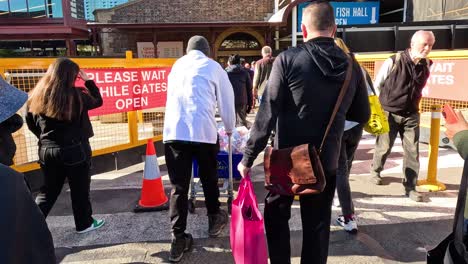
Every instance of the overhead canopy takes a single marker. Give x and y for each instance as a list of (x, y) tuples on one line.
[(36, 28), (281, 17)]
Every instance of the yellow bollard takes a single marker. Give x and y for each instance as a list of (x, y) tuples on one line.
[(430, 183)]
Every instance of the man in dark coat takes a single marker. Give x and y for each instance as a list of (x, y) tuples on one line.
[(242, 85), (262, 72), (302, 91)]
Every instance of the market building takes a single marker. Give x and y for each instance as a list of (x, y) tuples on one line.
[(163, 30)]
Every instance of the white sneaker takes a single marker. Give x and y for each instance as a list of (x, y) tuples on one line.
[(95, 225), (350, 226)]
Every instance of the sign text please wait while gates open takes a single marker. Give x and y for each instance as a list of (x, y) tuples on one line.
[(125, 90)]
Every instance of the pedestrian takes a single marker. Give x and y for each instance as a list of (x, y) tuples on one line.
[(25, 236), (242, 85), (58, 116), (349, 143), (197, 85), (458, 132), (400, 81), (249, 69), (262, 73), (302, 91)]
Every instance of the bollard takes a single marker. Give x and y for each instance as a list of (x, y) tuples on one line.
[(431, 184)]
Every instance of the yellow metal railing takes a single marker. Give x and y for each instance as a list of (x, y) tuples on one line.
[(120, 131), (113, 132)]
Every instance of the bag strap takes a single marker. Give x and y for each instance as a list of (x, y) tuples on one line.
[(368, 80), (344, 88)]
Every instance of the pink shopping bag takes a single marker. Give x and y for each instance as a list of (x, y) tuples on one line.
[(247, 237)]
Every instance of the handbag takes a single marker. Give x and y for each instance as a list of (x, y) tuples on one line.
[(378, 123), (452, 250), (248, 242), (298, 170)]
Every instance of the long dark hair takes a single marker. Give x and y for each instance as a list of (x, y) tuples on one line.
[(55, 95)]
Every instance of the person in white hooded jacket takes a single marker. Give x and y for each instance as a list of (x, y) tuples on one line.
[(197, 85)]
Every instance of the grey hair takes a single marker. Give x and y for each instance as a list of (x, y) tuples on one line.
[(266, 50), (419, 33)]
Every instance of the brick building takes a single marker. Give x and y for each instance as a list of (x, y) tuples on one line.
[(230, 26)]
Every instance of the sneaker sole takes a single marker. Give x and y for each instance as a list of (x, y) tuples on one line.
[(352, 231), (86, 231)]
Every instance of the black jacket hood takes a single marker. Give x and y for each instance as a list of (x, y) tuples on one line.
[(331, 61), (234, 68)]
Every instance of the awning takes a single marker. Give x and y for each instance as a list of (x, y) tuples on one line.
[(281, 17), (39, 29)]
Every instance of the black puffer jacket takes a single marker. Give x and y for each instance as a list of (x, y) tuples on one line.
[(302, 90), (241, 83)]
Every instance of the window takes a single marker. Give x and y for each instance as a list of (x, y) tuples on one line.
[(37, 8), (240, 41), (4, 9), (54, 8), (18, 8)]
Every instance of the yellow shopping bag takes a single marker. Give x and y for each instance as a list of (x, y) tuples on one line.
[(378, 123)]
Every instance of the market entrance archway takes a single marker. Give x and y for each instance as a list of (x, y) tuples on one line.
[(243, 41)]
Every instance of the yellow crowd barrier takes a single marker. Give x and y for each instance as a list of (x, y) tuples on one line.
[(113, 132), (120, 131)]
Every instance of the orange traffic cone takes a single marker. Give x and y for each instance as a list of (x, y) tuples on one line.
[(153, 197)]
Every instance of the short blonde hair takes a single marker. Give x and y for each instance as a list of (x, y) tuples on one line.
[(341, 44)]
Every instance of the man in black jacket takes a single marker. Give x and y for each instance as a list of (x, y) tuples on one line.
[(299, 99), (400, 81), (242, 85)]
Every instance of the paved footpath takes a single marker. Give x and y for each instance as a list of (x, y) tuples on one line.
[(392, 228)]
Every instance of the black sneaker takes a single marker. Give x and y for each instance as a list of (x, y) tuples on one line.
[(414, 195), (377, 180), (179, 245), (216, 223)]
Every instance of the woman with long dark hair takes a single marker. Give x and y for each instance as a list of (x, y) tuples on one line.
[(58, 116)]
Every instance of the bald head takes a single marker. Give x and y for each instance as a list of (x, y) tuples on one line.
[(421, 43), (318, 20)]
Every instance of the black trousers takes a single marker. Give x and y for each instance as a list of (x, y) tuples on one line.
[(179, 158), (71, 162), (349, 144), (315, 216)]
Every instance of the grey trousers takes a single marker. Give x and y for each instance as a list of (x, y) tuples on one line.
[(408, 128), (241, 116)]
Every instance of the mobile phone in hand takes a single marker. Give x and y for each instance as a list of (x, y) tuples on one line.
[(449, 114)]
